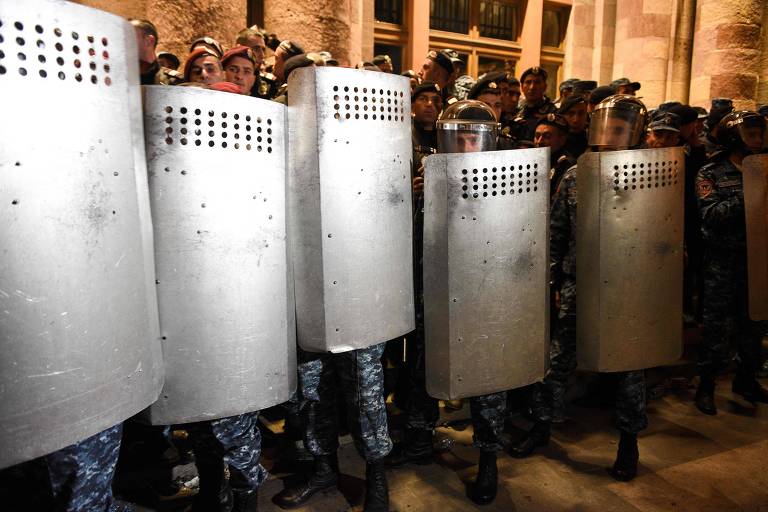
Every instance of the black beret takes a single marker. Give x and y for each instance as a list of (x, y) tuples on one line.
[(599, 94), (536, 71), (555, 120), (488, 83), (686, 113), (442, 60), (570, 102), (424, 87)]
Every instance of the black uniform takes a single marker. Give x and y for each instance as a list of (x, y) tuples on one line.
[(158, 75), (524, 124)]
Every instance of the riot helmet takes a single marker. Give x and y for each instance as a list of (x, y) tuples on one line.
[(742, 131), (617, 122), (467, 126)]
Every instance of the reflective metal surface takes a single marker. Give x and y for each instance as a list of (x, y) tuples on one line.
[(79, 339), (755, 171), (350, 207), (216, 163), (629, 244), (486, 271)]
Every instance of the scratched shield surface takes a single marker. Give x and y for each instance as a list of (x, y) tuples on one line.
[(756, 211), (216, 165), (79, 338), (486, 271), (629, 261), (350, 207)]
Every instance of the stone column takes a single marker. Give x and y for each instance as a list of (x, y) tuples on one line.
[(418, 34), (580, 40), (679, 66), (726, 51), (603, 43), (329, 25), (531, 36), (762, 86), (643, 45)]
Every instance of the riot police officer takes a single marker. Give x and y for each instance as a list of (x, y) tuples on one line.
[(152, 73), (552, 132), (533, 83), (617, 123), (726, 322)]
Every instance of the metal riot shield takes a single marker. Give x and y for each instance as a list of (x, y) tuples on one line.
[(350, 207), (629, 259), (756, 208), (216, 165), (79, 338), (486, 271)]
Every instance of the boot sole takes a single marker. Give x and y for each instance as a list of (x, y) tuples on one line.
[(292, 506)]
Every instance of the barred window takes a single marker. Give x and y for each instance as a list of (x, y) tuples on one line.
[(389, 11), (449, 15), (552, 29), (499, 19)]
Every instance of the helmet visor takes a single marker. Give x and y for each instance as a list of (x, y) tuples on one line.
[(616, 128), (461, 138), (753, 134)]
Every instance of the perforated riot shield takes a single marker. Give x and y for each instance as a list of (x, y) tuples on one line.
[(216, 163), (486, 271), (629, 259), (79, 339), (350, 207), (756, 208)]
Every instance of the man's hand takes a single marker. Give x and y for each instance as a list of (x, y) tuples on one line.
[(418, 181)]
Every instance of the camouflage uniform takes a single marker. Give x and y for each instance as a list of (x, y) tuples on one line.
[(359, 375), (488, 413), (548, 397), (81, 474), (523, 125), (235, 440), (720, 193), (158, 75)]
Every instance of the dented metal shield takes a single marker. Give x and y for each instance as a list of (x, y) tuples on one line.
[(629, 243), (350, 207), (216, 163), (756, 208), (486, 271), (79, 339)]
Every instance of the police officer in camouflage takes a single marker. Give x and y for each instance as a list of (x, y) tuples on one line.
[(618, 123), (151, 71), (552, 132), (358, 374), (726, 322), (533, 84)]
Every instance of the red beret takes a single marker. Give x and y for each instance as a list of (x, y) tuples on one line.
[(239, 51), (226, 87), (192, 57)]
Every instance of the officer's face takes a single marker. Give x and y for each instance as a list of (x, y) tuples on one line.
[(385, 67), (426, 108), (206, 70), (257, 46), (533, 88), (566, 93), (615, 134), (753, 137), (658, 139), (547, 136), (432, 72), (146, 45), (510, 96), (240, 71), (577, 118), (467, 142), (493, 101)]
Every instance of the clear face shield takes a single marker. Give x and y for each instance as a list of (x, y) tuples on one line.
[(467, 126), (617, 124), (753, 134)]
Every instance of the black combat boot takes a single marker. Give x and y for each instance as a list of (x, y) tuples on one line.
[(415, 449), (538, 436), (324, 475), (245, 501), (215, 492), (484, 489), (705, 396), (376, 490), (625, 467), (750, 389)]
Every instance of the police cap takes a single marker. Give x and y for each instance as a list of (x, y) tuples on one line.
[(599, 94), (664, 121), (425, 87), (535, 71), (442, 60), (625, 81), (686, 113), (556, 120), (489, 83)]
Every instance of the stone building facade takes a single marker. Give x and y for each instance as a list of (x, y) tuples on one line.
[(685, 50)]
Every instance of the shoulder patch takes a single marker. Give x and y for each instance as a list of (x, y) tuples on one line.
[(704, 188)]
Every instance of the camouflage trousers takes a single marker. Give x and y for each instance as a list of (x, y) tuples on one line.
[(235, 440), (359, 375), (726, 323), (548, 398), (422, 411), (81, 474), (488, 414)]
